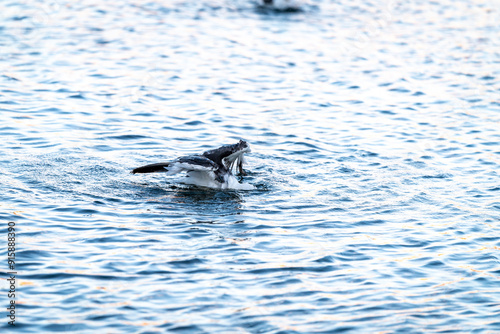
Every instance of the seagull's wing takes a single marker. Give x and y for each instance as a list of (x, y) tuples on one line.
[(187, 163), (194, 163), (152, 168)]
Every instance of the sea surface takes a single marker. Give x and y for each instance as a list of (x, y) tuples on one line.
[(374, 128)]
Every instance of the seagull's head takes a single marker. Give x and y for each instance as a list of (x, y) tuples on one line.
[(242, 147)]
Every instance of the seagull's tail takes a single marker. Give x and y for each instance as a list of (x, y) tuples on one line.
[(161, 167)]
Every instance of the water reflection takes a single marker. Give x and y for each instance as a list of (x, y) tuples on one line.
[(194, 202)]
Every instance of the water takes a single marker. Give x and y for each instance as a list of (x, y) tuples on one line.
[(375, 155)]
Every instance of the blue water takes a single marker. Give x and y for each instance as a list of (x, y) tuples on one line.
[(374, 128)]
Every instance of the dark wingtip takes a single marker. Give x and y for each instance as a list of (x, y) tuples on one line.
[(153, 168), (135, 170)]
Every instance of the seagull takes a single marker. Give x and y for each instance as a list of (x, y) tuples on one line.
[(212, 168)]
